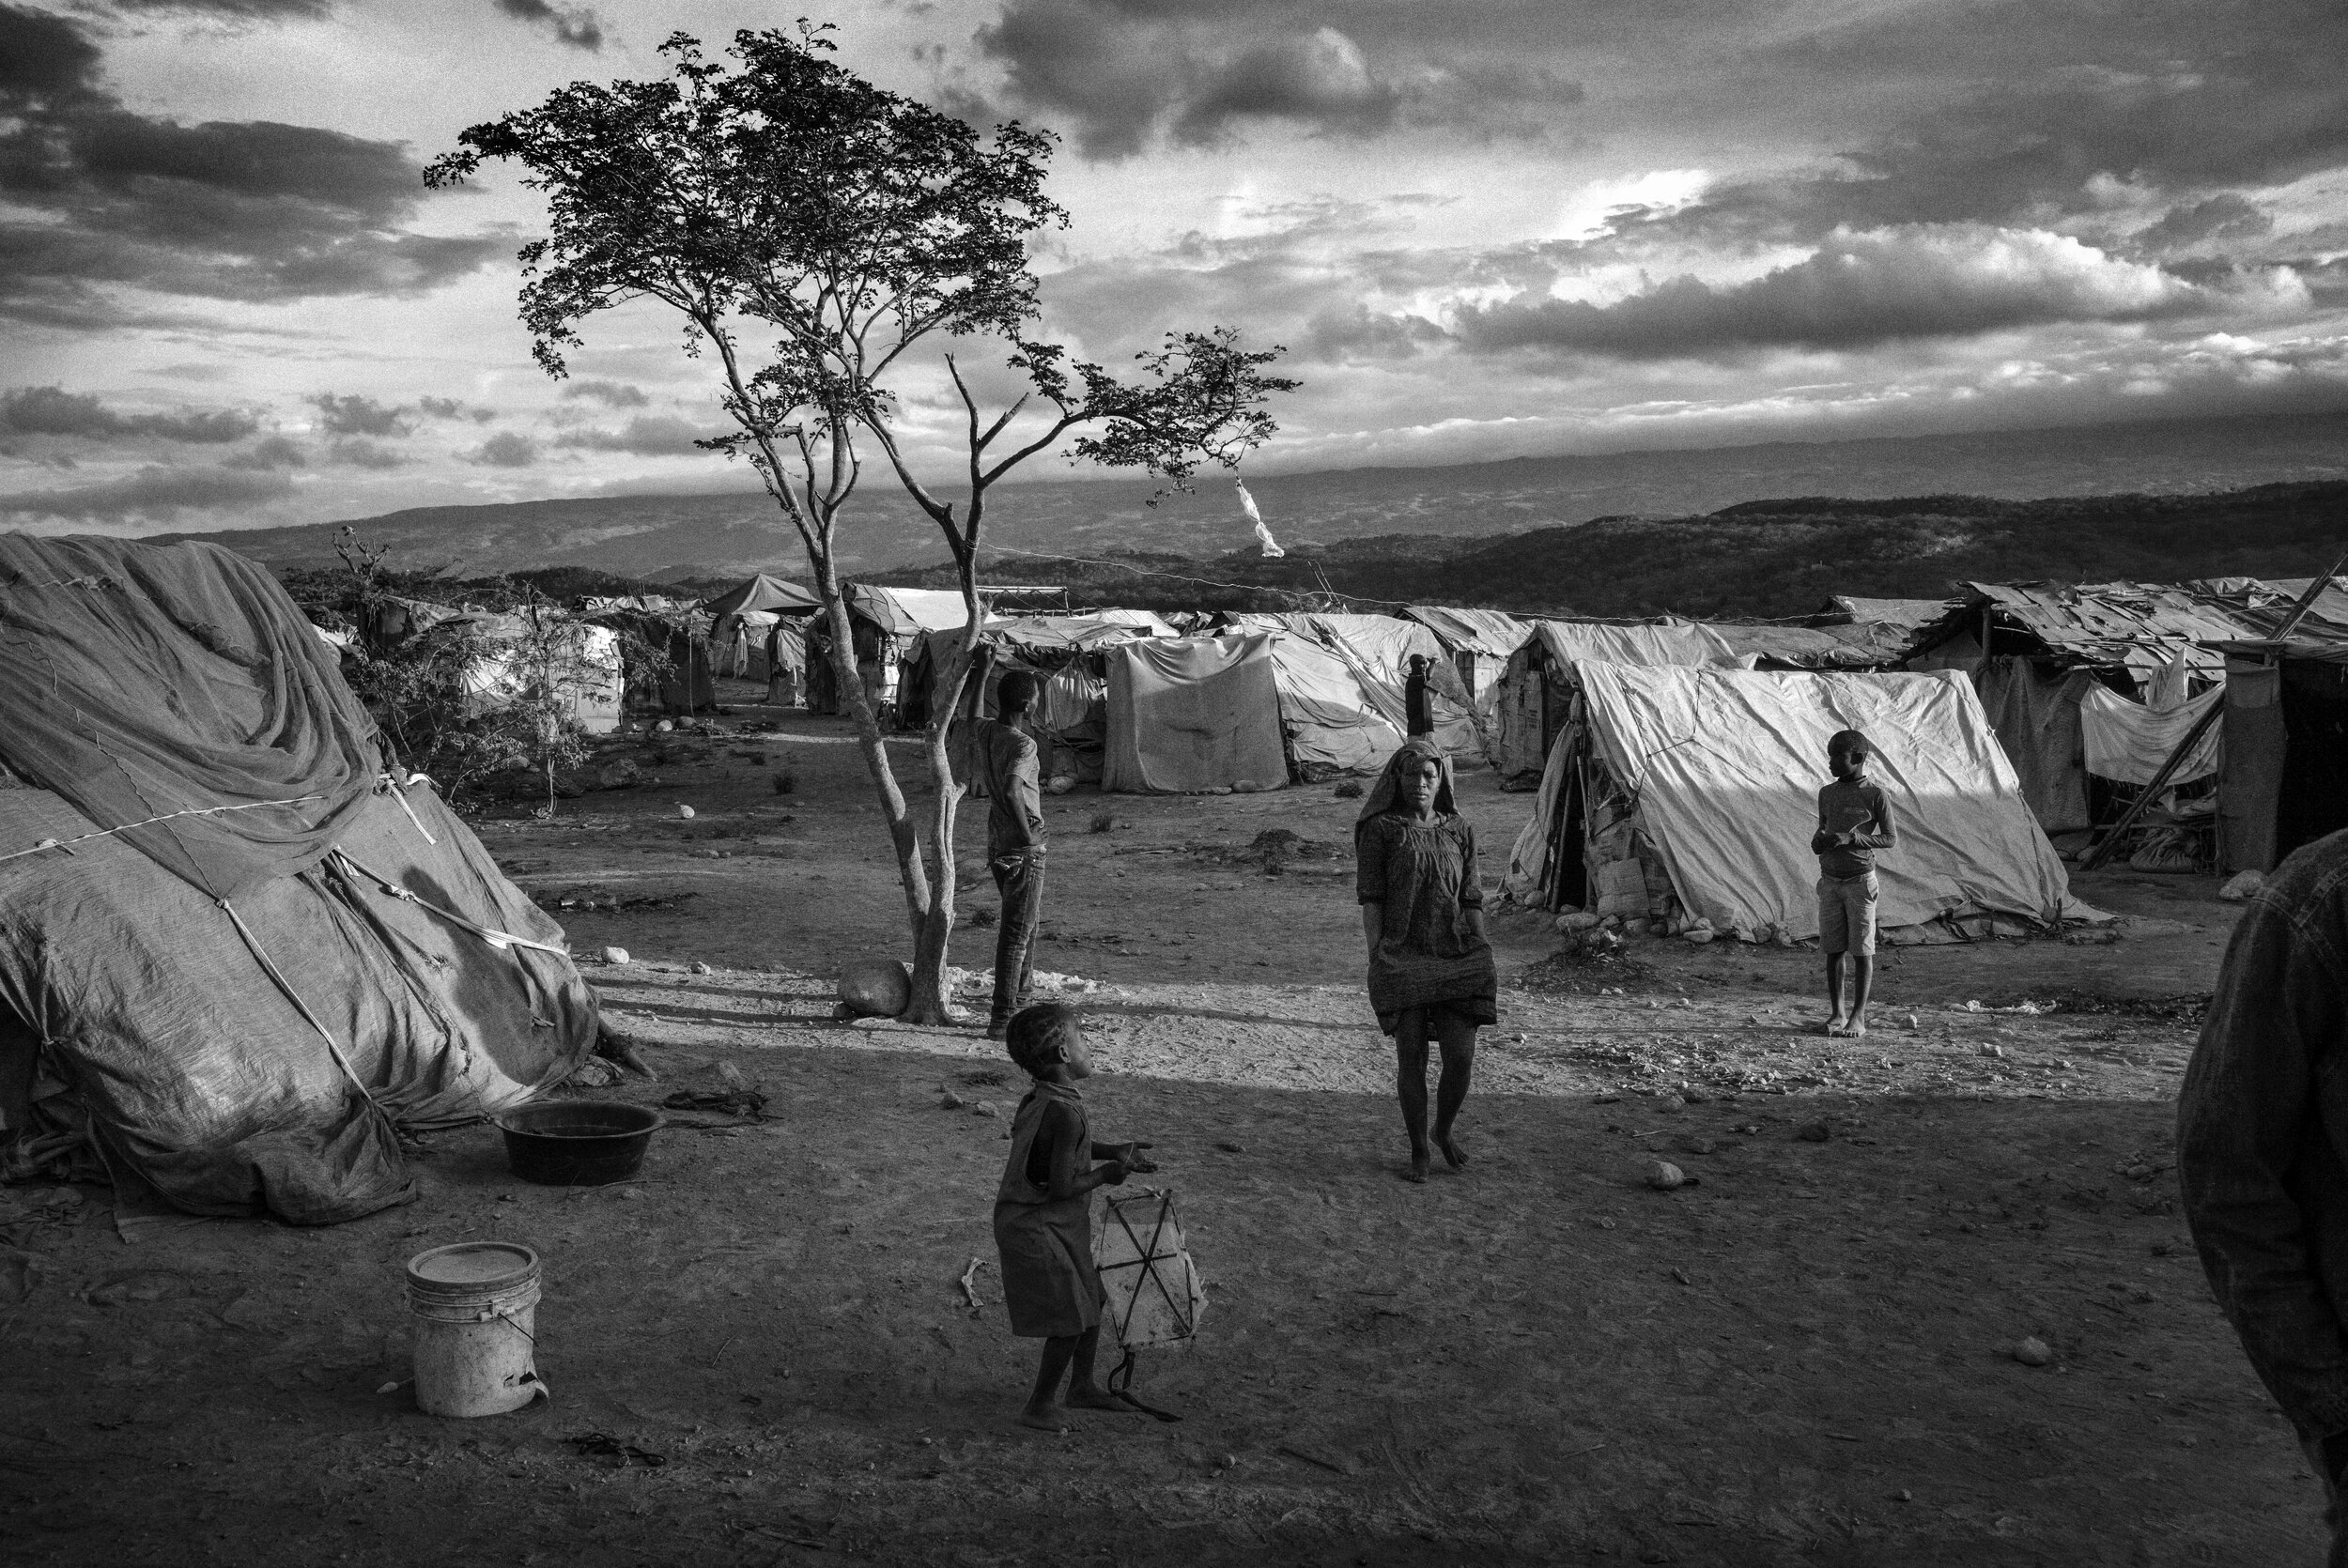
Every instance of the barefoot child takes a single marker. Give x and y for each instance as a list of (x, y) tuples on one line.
[(1854, 821), (1043, 1214)]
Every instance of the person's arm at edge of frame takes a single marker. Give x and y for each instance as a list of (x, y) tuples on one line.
[(2241, 1113)]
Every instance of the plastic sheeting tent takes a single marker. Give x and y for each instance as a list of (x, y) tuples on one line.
[(1377, 650), (254, 961), (1719, 772), (1066, 655), (1192, 714), (1536, 690)]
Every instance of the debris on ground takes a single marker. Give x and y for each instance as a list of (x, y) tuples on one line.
[(2032, 1351), (2241, 885)]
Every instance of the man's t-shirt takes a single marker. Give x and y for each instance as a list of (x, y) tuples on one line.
[(1009, 770), (1844, 805)]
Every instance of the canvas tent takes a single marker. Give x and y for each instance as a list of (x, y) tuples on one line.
[(1068, 657), (575, 657), (1692, 792), (1855, 645), (885, 623), (1478, 640), (1192, 714), (1377, 650), (1536, 690), (744, 621), (236, 953)]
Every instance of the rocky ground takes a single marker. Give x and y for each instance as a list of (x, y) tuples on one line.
[(760, 1351)]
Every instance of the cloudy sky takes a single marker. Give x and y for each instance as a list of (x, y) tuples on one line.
[(1483, 228)]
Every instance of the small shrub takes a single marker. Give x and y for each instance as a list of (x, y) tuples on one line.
[(1350, 789), (786, 783), (1104, 821)]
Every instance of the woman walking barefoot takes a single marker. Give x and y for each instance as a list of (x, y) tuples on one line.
[(1431, 969)]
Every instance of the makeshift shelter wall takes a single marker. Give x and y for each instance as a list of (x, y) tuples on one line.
[(1726, 768), (1328, 720), (2250, 766), (592, 690), (1188, 715), (1378, 650), (1532, 696), (2035, 712)]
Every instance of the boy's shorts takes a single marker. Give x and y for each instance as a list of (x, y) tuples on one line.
[(1846, 915)]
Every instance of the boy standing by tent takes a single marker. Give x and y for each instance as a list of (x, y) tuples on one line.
[(1854, 821), (1043, 1214), (1009, 770)]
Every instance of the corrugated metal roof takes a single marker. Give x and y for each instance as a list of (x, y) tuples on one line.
[(2139, 626)]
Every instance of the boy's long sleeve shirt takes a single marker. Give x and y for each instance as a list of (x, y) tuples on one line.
[(1856, 807)]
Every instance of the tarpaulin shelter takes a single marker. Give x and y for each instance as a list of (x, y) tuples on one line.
[(1378, 649), (686, 682), (1329, 723), (1536, 690), (885, 623), (1478, 640), (1193, 715), (1909, 616), (1675, 791), (1068, 657), (1147, 621), (513, 650), (2035, 650), (235, 953), (742, 616)]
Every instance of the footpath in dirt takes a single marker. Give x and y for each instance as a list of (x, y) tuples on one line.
[(764, 1350)]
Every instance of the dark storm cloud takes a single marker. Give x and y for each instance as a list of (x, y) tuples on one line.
[(1123, 76), (271, 452), (653, 436), (238, 10), (2222, 217), (242, 210), (54, 411), (506, 450), (611, 395), (350, 414), (1860, 291), (573, 24), (152, 492), (353, 451), (2180, 102)]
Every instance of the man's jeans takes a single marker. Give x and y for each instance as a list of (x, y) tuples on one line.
[(1019, 878)]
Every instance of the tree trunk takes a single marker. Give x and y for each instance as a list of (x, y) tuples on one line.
[(934, 934), (902, 834)]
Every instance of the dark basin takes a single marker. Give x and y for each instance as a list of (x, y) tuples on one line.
[(577, 1142)]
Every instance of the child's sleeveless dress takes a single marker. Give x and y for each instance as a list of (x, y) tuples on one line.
[(1050, 1286)]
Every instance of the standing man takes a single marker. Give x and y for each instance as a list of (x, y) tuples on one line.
[(1418, 711), (2263, 1151), (1008, 769)]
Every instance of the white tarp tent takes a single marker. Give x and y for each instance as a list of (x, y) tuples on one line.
[(1193, 715), (1330, 724), (1724, 767)]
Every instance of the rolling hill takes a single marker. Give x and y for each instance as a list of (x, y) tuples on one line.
[(729, 535)]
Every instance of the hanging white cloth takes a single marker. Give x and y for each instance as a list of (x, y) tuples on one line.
[(1247, 504)]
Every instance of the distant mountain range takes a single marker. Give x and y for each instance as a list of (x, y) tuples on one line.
[(1758, 559), (678, 537)]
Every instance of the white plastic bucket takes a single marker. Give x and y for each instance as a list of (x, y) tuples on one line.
[(476, 1309)]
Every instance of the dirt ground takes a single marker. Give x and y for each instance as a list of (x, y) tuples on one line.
[(1801, 1358)]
